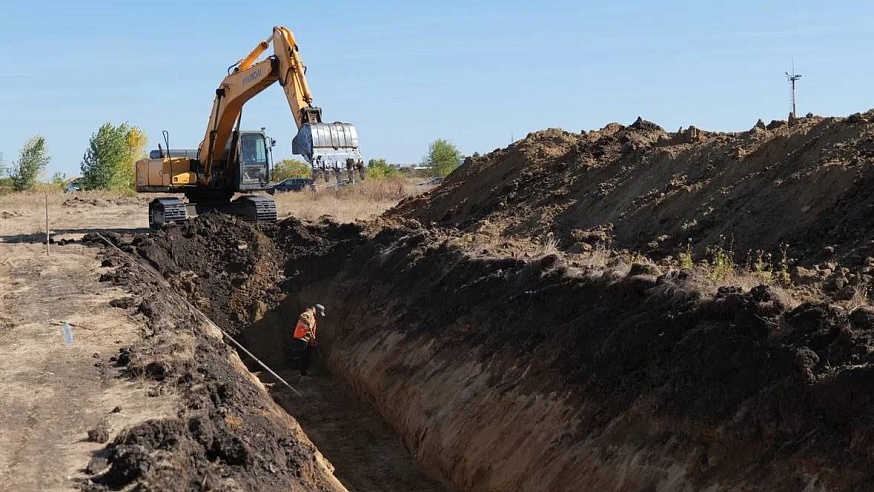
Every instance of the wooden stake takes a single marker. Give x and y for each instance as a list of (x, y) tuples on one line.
[(47, 223)]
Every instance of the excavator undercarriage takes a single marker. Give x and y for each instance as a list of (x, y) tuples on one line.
[(249, 207)]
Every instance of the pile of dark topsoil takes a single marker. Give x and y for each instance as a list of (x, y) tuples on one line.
[(227, 433), (235, 272)]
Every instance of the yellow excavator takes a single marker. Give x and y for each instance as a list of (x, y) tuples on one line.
[(230, 161)]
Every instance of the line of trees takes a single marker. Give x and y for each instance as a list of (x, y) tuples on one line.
[(108, 162), (442, 158)]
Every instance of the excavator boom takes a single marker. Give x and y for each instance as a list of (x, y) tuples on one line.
[(326, 147)]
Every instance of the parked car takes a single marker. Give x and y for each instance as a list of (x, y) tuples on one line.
[(73, 186), (436, 180), (292, 184)]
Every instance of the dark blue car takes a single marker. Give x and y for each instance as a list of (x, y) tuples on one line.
[(293, 184)]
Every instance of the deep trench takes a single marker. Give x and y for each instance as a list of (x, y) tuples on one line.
[(366, 453)]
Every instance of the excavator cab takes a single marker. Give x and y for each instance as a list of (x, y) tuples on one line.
[(254, 155)]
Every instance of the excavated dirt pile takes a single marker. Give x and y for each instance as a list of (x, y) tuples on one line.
[(529, 325), (807, 186)]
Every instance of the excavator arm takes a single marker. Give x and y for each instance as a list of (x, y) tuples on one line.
[(292, 78), (236, 89), (325, 146)]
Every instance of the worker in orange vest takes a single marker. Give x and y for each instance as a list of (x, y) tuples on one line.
[(305, 336)]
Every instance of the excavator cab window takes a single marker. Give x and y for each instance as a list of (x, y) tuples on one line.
[(253, 158)]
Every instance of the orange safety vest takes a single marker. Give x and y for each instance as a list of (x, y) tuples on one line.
[(305, 327)]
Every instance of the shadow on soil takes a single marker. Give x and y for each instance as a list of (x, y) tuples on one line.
[(40, 237)]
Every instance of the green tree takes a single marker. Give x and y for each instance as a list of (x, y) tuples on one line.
[(381, 169), (32, 160), (59, 180), (442, 157), (108, 164), (5, 180), (291, 168)]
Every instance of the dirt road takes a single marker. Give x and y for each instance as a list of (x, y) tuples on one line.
[(52, 393)]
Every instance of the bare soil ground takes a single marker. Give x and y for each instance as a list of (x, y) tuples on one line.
[(542, 320), (544, 376), (53, 394)]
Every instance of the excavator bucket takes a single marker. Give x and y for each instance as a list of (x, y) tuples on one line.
[(330, 148)]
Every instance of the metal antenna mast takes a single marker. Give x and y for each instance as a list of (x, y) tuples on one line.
[(792, 78)]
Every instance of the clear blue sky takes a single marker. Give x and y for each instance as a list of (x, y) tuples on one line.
[(406, 73)]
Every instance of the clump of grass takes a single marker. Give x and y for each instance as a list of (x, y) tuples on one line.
[(685, 256), (549, 246), (783, 267), (860, 296), (721, 260), (598, 257), (720, 267)]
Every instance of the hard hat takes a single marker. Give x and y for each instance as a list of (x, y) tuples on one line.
[(320, 309)]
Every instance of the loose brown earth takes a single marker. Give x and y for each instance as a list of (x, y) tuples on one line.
[(575, 312)]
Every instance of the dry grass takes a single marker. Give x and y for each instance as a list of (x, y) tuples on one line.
[(362, 201), (22, 215), (598, 257), (37, 199), (860, 297)]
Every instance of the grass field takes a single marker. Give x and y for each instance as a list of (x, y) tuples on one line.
[(363, 201)]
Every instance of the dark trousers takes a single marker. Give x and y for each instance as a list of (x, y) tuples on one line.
[(306, 354)]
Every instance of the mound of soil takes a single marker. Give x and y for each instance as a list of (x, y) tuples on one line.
[(228, 434), (15, 213), (229, 270), (78, 202), (236, 273), (804, 185)]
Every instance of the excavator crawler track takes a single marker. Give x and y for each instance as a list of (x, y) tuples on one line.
[(256, 207), (166, 209)]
